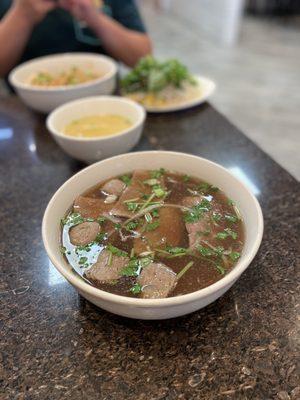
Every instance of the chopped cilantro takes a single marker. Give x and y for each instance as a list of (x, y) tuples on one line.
[(231, 233), (148, 217), (231, 218), (197, 211), (132, 225), (152, 226), (132, 206), (82, 260), (220, 269), (216, 216), (126, 179), (158, 191), (158, 173), (222, 235), (117, 226), (72, 219), (117, 252), (101, 220), (230, 202), (206, 187), (100, 237), (234, 255), (136, 288), (155, 213), (131, 268), (186, 178), (205, 251)]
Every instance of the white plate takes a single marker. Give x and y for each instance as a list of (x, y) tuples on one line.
[(207, 86)]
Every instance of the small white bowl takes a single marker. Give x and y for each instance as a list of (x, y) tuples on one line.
[(46, 99), (184, 163), (94, 149)]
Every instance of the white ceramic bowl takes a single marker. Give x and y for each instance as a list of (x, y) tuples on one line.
[(184, 163), (46, 99), (94, 149)]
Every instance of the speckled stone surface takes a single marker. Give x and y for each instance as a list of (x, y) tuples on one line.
[(56, 345)]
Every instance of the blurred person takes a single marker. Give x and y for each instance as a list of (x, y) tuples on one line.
[(33, 28)]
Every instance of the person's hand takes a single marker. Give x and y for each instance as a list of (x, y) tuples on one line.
[(83, 10), (34, 10)]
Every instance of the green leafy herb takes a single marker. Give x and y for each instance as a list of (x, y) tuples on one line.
[(205, 251), (231, 218), (131, 268), (206, 187), (159, 191), (101, 237), (186, 178), (115, 251), (230, 202), (216, 216), (101, 220), (234, 255), (219, 250), (158, 173), (132, 206), (82, 260), (222, 235), (152, 226), (126, 179), (132, 225), (227, 232), (231, 233), (220, 269), (136, 288), (155, 213), (117, 226), (72, 219), (197, 211)]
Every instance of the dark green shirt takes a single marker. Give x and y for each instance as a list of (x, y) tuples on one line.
[(59, 32)]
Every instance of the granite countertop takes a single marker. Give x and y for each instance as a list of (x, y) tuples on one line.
[(56, 345)]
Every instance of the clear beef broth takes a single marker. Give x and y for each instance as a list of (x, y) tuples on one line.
[(203, 226)]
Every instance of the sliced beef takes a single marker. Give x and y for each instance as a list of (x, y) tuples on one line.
[(203, 229), (107, 268), (113, 187), (135, 190), (169, 232), (157, 281), (82, 234), (90, 207)]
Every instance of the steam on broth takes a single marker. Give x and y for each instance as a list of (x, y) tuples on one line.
[(152, 234)]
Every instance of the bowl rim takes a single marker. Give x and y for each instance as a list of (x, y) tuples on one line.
[(78, 282), (61, 109), (25, 86)]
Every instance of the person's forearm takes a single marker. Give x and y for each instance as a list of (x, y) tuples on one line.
[(123, 44), (14, 34)]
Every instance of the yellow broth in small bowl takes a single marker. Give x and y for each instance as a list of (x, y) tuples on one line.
[(92, 126)]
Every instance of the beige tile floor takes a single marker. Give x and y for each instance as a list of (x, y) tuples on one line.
[(258, 79)]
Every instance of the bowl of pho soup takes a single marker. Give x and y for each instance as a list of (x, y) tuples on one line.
[(152, 243)]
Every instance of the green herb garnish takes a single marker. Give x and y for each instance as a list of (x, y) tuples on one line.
[(196, 212), (220, 269), (157, 173), (152, 226), (231, 218), (234, 255), (205, 251), (132, 225), (186, 178), (136, 288), (72, 219), (82, 260), (230, 202), (101, 220), (100, 237), (126, 179), (115, 251), (216, 216)]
